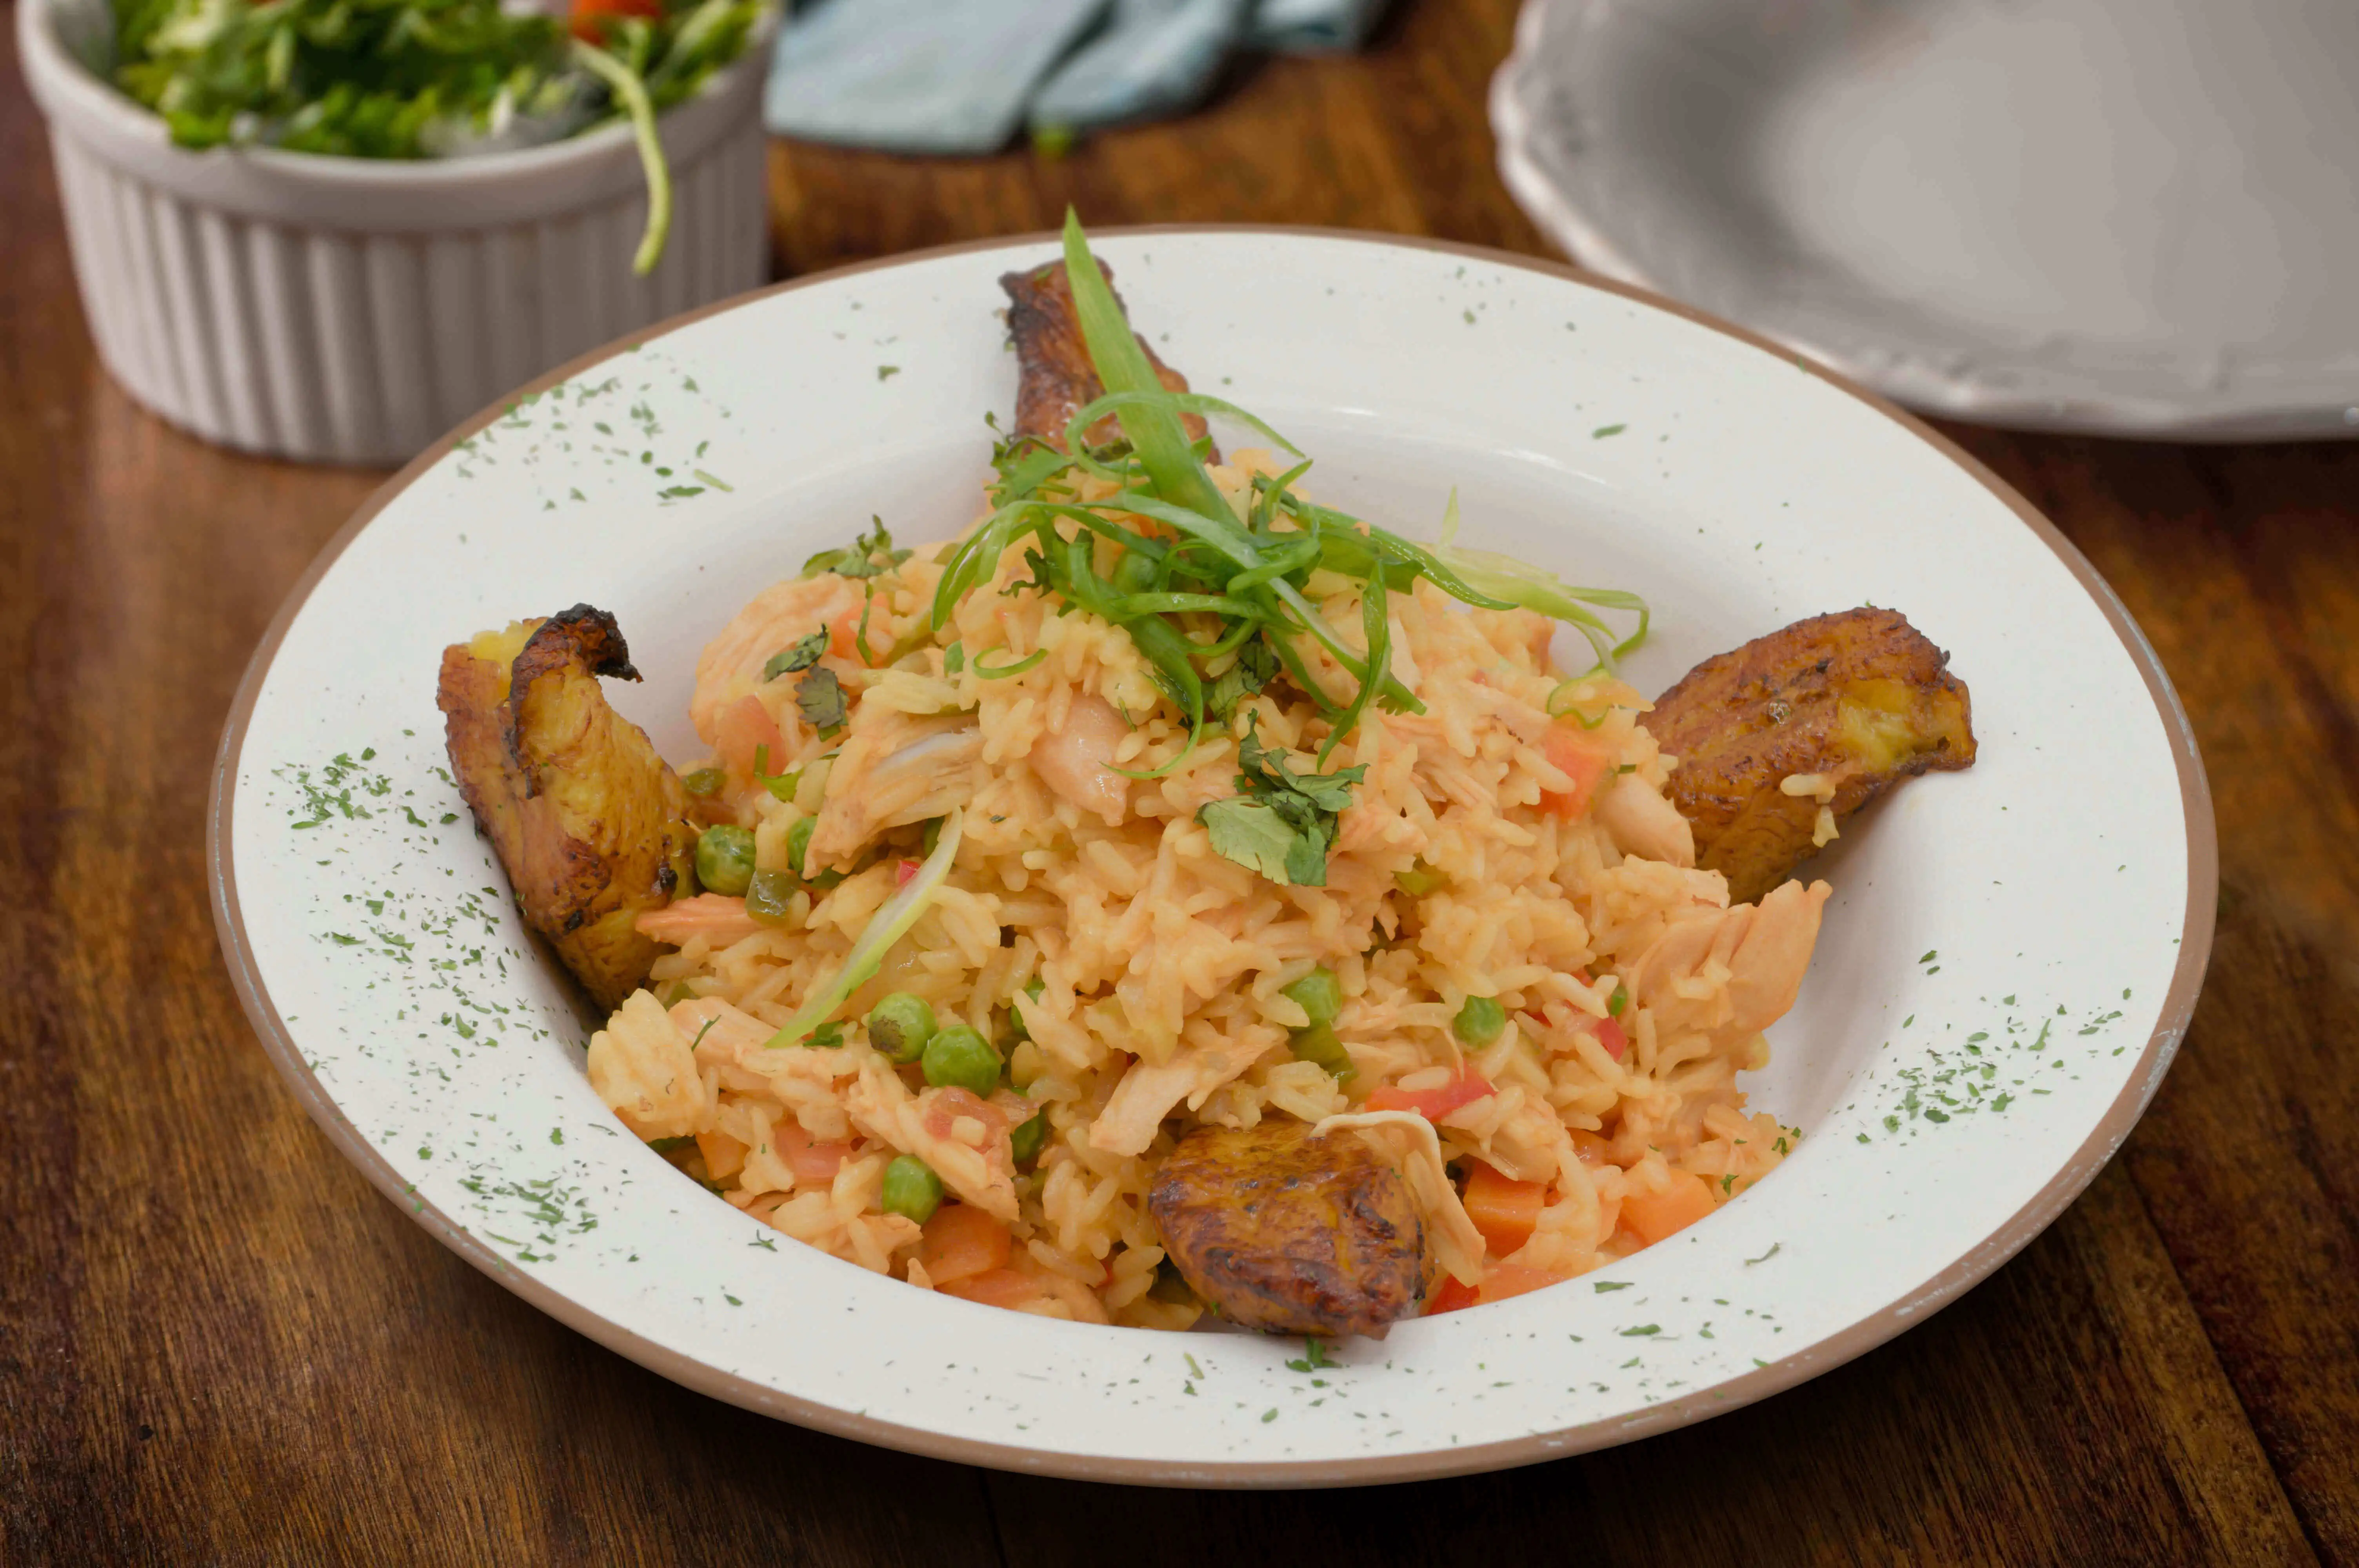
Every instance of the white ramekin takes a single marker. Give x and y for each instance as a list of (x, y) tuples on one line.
[(350, 311)]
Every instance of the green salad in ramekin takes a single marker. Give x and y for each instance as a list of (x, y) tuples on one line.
[(421, 78)]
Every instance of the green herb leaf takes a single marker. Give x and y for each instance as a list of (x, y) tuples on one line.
[(1280, 823), (1255, 667), (870, 555), (820, 695), (1252, 835), (801, 655)]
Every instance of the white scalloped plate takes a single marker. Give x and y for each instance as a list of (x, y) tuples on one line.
[(2066, 214), (1952, 1105)]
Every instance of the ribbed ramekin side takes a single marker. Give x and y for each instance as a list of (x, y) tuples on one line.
[(342, 345)]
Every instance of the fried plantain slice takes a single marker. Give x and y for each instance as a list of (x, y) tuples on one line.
[(590, 822), (1782, 739), (1056, 379), (1292, 1233)]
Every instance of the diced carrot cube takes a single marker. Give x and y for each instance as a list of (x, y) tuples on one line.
[(1652, 1215), (962, 1242), (1504, 1211)]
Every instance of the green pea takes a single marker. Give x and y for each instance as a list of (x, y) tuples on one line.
[(767, 898), (911, 1188), (1480, 1021), (724, 859), (799, 839), (1620, 1000), (1320, 994), (900, 1025), (1027, 1138), (704, 782), (925, 845), (959, 1057), (1319, 1044), (1017, 1031)]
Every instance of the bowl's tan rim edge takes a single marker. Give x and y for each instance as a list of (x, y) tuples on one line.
[(2178, 1005)]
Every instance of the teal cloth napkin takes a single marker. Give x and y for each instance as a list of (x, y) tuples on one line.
[(963, 76)]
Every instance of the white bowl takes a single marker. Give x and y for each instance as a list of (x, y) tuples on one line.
[(350, 310), (2060, 891)]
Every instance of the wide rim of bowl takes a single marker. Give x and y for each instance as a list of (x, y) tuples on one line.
[(1869, 1332), (1586, 230), (62, 83)]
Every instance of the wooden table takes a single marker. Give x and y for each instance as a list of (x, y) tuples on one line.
[(217, 1343)]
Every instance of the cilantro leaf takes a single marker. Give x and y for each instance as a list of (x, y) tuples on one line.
[(820, 695), (800, 654), (1255, 667), (870, 555), (1248, 832), (1280, 823)]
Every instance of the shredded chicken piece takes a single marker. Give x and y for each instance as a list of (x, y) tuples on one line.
[(895, 769), (883, 1108), (1644, 824), (1148, 1093), (1757, 953)]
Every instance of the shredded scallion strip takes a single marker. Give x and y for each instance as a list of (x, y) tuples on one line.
[(632, 94), (886, 927)]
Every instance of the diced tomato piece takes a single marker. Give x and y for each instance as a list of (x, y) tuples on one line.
[(1652, 1215), (903, 871), (744, 727), (1451, 1296), (588, 18), (1502, 1281), (999, 1288), (1504, 1210), (1433, 1104), (1613, 1037), (813, 1163), (948, 1105), (1570, 752), (960, 1243)]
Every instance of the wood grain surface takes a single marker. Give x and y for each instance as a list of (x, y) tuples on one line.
[(219, 1344)]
